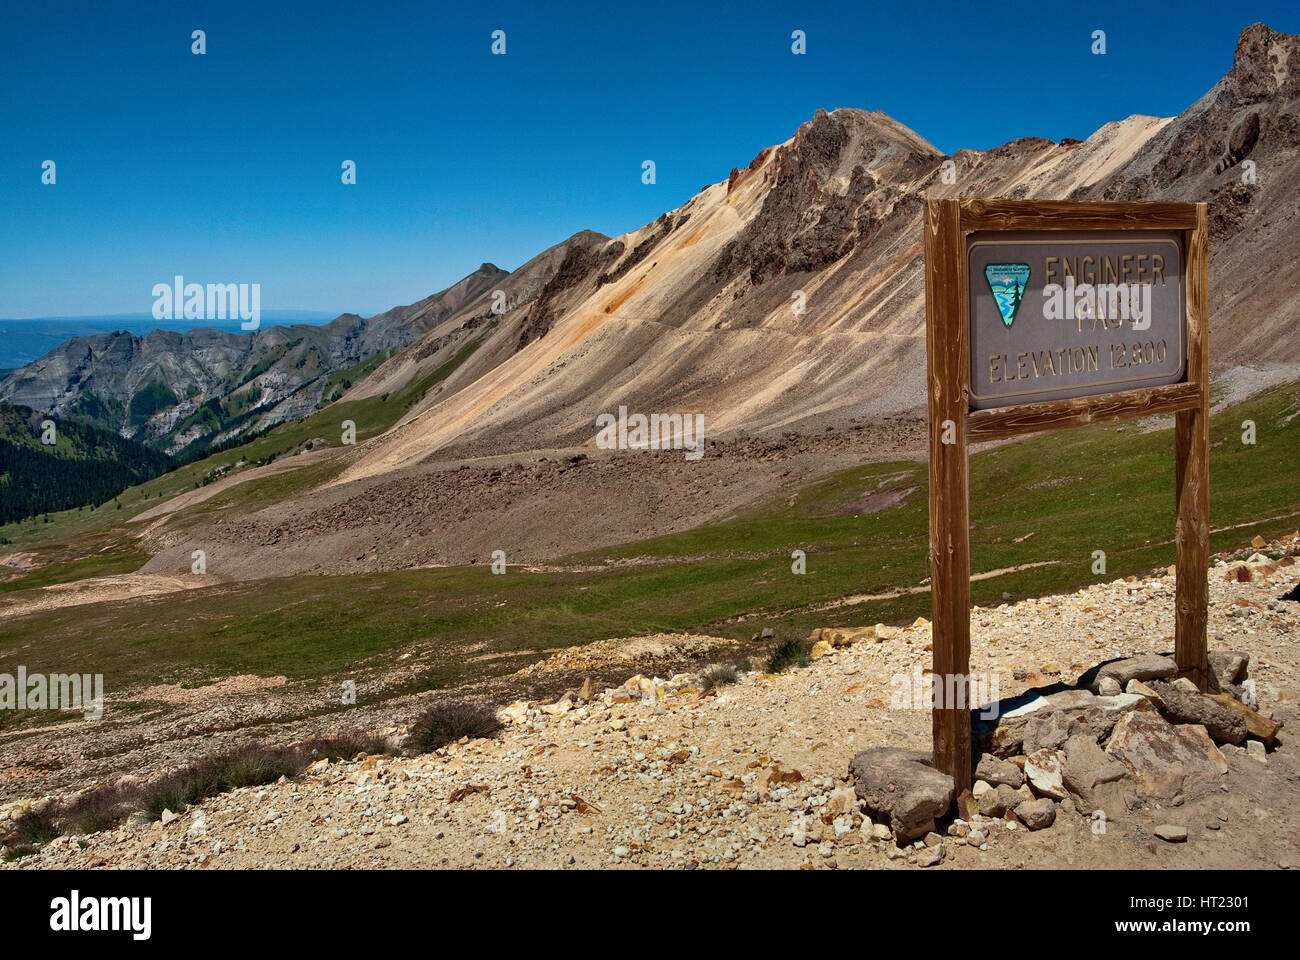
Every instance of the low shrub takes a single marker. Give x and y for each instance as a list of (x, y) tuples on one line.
[(445, 723), (716, 677), (251, 765), (787, 654)]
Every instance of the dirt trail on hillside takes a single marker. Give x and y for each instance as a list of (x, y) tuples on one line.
[(124, 586), (191, 497), (859, 598)]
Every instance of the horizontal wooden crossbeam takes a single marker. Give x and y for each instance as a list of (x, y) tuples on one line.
[(983, 425), (1012, 215)]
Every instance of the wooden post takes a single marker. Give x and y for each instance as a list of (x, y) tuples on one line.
[(1191, 471), (946, 346)]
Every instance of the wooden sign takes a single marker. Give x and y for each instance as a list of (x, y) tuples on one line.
[(1043, 315), (1075, 315)]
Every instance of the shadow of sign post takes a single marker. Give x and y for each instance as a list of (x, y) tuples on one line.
[(1046, 315)]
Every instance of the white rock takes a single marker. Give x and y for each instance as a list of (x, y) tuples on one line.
[(517, 712), (1043, 770)]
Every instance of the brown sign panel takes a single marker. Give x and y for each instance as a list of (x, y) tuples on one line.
[(1004, 333), (1061, 314)]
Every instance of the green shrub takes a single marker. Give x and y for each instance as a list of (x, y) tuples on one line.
[(34, 828), (251, 765), (787, 654), (716, 677)]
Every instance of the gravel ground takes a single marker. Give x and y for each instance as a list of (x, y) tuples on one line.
[(755, 773)]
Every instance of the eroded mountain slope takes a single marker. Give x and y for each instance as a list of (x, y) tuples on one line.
[(700, 310)]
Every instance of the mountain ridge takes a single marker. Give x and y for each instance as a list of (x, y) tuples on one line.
[(788, 296), (693, 311), (246, 381), (875, 292)]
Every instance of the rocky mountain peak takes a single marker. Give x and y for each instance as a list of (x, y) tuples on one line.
[(1266, 64), (834, 143)]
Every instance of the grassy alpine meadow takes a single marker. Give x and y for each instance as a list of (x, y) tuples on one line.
[(1040, 507)]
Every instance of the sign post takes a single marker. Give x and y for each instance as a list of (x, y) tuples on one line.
[(1044, 315)]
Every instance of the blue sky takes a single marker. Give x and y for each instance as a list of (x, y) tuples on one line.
[(226, 167)]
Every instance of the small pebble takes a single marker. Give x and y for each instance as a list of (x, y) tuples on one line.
[(1171, 833)]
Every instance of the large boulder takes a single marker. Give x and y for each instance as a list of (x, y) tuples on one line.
[(1229, 666), (997, 801), (1262, 728), (903, 787), (995, 771), (1043, 771), (1036, 814), (1045, 718), (1164, 758), (1145, 666), (1050, 731), (1228, 670), (1181, 705), (1093, 778)]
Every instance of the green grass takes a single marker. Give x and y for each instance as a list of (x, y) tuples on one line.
[(77, 544), (1049, 500), (118, 559), (787, 654)]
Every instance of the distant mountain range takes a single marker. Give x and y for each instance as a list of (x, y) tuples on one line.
[(185, 392), (22, 341), (694, 312)]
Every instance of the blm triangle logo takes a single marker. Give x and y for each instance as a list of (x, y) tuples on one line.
[(1007, 282)]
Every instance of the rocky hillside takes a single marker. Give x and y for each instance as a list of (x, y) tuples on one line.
[(174, 391), (791, 294)]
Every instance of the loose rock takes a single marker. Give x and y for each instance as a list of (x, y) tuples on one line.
[(1171, 833), (902, 786), (1043, 769), (1179, 705), (1163, 757), (1147, 666), (1036, 814), (996, 771)]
